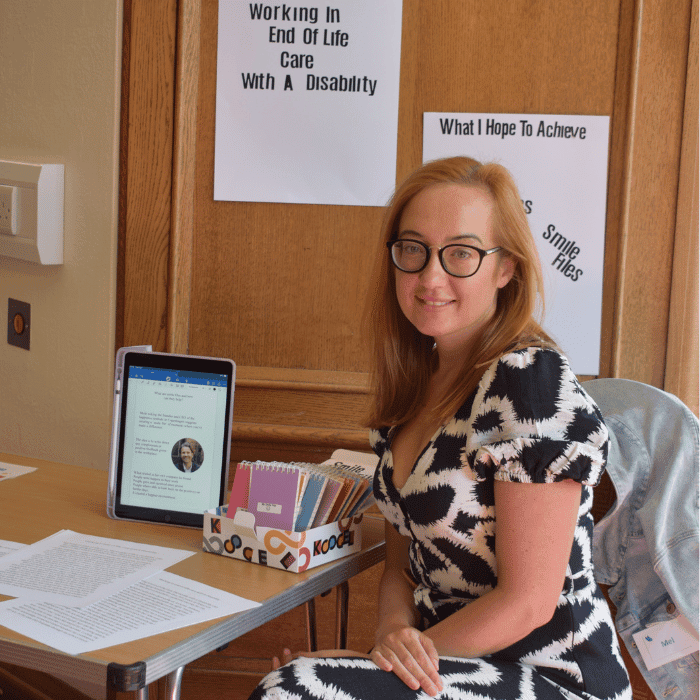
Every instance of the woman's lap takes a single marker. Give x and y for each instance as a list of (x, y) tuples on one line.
[(353, 678)]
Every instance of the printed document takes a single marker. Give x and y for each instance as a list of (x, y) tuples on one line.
[(10, 471), (158, 604), (7, 547), (71, 569)]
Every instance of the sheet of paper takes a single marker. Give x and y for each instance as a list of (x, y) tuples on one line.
[(7, 547), (10, 471), (158, 604), (307, 102), (71, 569), (364, 459)]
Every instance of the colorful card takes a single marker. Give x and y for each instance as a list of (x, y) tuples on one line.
[(240, 490), (274, 488), (310, 501)]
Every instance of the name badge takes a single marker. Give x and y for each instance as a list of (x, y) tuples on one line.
[(666, 641)]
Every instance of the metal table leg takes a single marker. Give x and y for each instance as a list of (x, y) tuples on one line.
[(173, 683), (341, 615), (312, 639)]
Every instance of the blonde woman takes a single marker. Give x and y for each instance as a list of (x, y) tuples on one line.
[(489, 449)]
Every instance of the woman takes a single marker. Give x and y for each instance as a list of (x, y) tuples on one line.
[(488, 451), (186, 462)]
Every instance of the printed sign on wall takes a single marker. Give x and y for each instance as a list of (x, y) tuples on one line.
[(307, 102), (559, 163)]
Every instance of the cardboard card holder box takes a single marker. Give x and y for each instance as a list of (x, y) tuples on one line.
[(281, 549)]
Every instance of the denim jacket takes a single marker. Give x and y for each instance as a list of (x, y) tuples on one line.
[(646, 546)]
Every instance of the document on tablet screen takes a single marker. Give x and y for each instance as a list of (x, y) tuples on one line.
[(173, 449)]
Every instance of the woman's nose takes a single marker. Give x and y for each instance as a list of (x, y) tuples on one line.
[(433, 271)]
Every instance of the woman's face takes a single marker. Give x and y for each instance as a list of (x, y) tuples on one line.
[(186, 454), (452, 310)]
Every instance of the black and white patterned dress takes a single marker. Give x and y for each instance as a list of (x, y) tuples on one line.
[(529, 421)]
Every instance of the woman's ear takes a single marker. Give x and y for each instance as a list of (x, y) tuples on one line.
[(506, 270)]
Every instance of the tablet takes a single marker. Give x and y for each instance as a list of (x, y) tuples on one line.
[(170, 436)]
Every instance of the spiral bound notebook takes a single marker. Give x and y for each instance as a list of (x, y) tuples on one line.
[(310, 501), (274, 489), (329, 495), (240, 489)]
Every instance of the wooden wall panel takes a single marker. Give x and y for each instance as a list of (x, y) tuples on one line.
[(268, 306), (146, 172), (290, 279), (288, 295), (658, 65), (184, 147), (683, 347)]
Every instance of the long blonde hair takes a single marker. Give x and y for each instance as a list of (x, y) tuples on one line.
[(403, 358)]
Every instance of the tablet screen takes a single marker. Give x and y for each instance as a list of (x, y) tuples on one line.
[(174, 433)]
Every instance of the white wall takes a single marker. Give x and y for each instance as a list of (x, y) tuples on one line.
[(59, 103)]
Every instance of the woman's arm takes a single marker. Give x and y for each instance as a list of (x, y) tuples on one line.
[(534, 536), (535, 526), (399, 646), (396, 605)]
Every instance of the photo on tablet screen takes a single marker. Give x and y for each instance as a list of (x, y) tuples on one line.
[(172, 447)]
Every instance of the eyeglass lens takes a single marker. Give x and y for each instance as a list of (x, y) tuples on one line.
[(459, 260)]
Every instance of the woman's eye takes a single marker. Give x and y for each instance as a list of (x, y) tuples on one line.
[(462, 253)]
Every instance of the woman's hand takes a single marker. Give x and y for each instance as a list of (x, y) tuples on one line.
[(411, 655)]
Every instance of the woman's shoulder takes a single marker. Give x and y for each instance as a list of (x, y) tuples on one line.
[(532, 356), (528, 364), (534, 380)]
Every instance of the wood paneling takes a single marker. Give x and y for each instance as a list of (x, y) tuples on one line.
[(182, 207), (682, 359), (291, 279), (273, 285), (146, 172), (651, 156)]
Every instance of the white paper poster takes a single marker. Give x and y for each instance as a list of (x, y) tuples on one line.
[(307, 102), (559, 163)]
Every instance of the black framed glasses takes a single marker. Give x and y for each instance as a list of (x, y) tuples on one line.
[(456, 259)]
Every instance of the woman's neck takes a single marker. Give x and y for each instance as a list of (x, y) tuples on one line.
[(450, 361)]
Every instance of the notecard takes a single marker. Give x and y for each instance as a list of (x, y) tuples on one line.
[(310, 501), (240, 490), (274, 489)]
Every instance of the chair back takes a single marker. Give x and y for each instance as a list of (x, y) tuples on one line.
[(645, 545)]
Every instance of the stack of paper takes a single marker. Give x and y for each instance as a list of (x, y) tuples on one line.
[(78, 593), (300, 496)]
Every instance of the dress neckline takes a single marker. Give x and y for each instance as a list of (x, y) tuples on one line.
[(412, 470)]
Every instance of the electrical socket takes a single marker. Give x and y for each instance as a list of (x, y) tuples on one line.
[(19, 317), (9, 206)]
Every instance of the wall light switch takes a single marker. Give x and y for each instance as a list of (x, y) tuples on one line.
[(31, 212), (8, 209)]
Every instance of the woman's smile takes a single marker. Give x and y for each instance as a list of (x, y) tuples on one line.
[(435, 302)]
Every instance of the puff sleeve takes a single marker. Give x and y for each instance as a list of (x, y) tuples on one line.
[(534, 423)]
